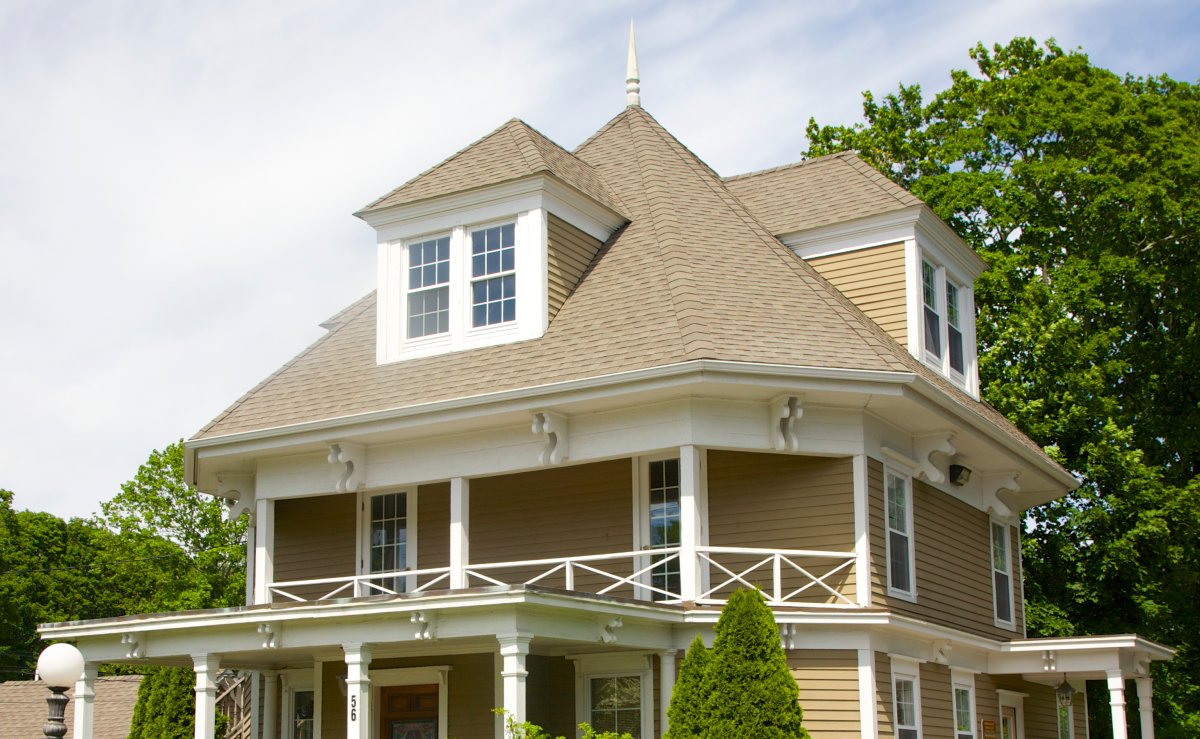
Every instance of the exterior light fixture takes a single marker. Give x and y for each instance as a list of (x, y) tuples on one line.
[(1065, 693), (59, 666), (959, 475)]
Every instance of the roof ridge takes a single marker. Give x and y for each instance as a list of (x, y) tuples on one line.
[(887, 186), (790, 165), (522, 140)]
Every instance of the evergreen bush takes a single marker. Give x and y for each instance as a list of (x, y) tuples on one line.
[(166, 706), (686, 712)]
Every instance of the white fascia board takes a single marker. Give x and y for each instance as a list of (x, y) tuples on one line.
[(949, 248), (886, 228), (1107, 641), (538, 396)]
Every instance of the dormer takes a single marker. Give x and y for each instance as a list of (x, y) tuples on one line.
[(882, 248), (484, 248)]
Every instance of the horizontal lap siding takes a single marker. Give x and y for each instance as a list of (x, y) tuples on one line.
[(952, 541), (314, 538), (568, 255), (550, 694), (883, 695), (987, 702), (783, 502), (1040, 706), (874, 280), (433, 528), (828, 682), (583, 509), (937, 701)]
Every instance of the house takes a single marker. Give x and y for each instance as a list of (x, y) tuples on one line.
[(23, 707), (594, 392)]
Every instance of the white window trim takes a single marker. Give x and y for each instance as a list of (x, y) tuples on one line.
[(918, 252), (390, 678), (363, 548), (963, 680), (588, 667), (641, 511), (910, 595), (910, 669), (294, 680), (1015, 700), (530, 239), (1012, 609)]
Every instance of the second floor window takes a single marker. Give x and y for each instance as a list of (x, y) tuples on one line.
[(899, 530), (664, 524), (388, 537), (429, 287), (954, 329), (493, 276), (933, 318), (1001, 573)]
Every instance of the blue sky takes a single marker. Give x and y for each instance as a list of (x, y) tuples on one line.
[(177, 179)]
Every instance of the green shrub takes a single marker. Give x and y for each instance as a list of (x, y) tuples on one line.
[(686, 714), (526, 730), (166, 706)]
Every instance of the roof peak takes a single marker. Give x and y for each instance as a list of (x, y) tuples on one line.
[(633, 87)]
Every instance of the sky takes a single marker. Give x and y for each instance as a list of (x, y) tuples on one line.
[(177, 178)]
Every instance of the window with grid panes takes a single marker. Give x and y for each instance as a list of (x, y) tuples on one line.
[(1001, 569), (388, 538), (954, 329), (617, 704), (664, 524), (429, 287), (933, 319), (964, 713), (899, 549), (905, 690), (493, 275)]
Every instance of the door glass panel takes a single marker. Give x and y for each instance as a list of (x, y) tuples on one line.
[(302, 714), (388, 541), (664, 524)]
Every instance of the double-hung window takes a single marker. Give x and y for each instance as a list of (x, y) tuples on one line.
[(900, 554), (493, 275), (933, 318), (616, 704), (946, 324), (954, 334), (964, 707), (1002, 574), (906, 698), (388, 541), (664, 522), (429, 287)]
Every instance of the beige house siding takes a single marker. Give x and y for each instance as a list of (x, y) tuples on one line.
[(828, 682), (314, 538), (785, 502), (1039, 706), (883, 695), (937, 701), (987, 702), (583, 509), (568, 254), (550, 694), (433, 526), (952, 542), (873, 279)]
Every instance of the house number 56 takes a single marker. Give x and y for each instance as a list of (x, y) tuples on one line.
[(354, 708)]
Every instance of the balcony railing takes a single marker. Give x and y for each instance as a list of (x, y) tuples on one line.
[(797, 577)]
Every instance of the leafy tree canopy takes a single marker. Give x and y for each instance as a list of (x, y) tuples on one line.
[(1079, 188)]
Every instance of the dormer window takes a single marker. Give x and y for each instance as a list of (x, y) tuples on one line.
[(947, 325), (493, 276), (429, 287)]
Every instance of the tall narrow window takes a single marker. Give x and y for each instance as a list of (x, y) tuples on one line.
[(302, 714), (429, 287), (899, 550), (1064, 722), (954, 328), (617, 704), (964, 713), (493, 276), (388, 539), (905, 689), (1001, 573), (664, 525), (933, 320)]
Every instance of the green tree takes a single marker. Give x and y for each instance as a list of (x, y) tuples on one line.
[(166, 705), (686, 713), (1079, 188)]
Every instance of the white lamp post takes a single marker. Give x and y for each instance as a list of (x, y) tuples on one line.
[(59, 666)]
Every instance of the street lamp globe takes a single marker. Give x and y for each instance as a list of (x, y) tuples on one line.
[(60, 665)]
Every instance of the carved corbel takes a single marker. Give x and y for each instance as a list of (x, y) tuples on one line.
[(928, 446), (269, 634), (785, 413), (1049, 661), (350, 466), (608, 629), (134, 648), (426, 626), (941, 652), (237, 490), (555, 428), (998, 489)]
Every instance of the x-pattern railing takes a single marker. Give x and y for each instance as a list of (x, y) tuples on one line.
[(782, 563)]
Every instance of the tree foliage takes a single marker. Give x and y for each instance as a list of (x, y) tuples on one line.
[(743, 688), (1079, 188)]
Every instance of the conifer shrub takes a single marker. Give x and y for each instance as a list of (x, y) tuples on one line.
[(686, 714), (166, 706)]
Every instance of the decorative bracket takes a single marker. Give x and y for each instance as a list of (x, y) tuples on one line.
[(134, 648), (1049, 661), (426, 624), (350, 466), (926, 447), (787, 635), (270, 635), (237, 490), (555, 427), (997, 489), (941, 652), (608, 629), (786, 411)]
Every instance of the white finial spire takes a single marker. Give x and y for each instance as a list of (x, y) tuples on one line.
[(633, 90)]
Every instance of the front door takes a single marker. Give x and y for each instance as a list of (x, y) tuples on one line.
[(408, 712), (1008, 723)]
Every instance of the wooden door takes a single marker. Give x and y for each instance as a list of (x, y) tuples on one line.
[(408, 712)]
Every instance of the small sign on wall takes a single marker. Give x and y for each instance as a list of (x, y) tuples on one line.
[(987, 729)]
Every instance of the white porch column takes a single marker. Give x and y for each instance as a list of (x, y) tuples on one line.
[(270, 718), (862, 534), (1145, 691), (85, 702), (358, 691), (691, 524), (264, 550), (666, 684), (513, 650), (206, 666), (460, 531), (1116, 699), (251, 553)]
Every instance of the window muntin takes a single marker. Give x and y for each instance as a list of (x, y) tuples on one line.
[(429, 287), (954, 334), (964, 713), (904, 688), (899, 524), (387, 529), (933, 320), (493, 275), (616, 704), (1001, 573), (664, 519)]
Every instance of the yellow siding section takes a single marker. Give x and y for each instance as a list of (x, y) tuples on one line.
[(874, 280), (1040, 706), (583, 509), (952, 542), (433, 526), (987, 702), (314, 538), (784, 502), (883, 695), (828, 682), (937, 701), (568, 254)]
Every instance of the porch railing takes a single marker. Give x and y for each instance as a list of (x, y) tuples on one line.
[(808, 577)]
